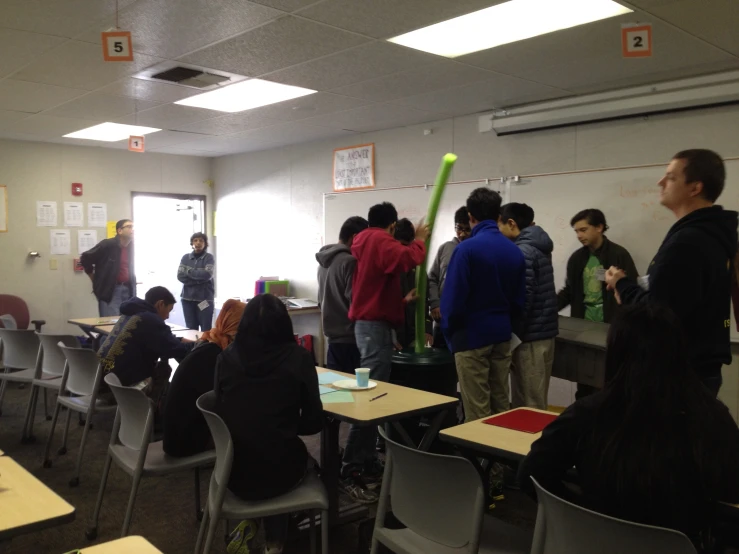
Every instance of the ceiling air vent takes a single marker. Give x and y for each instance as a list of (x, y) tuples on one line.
[(189, 76)]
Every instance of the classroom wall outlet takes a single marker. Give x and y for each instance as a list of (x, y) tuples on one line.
[(53, 263)]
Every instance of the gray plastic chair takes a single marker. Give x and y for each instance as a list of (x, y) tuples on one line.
[(441, 501), (78, 392), (132, 450), (223, 504), (19, 349), (565, 528), (48, 376)]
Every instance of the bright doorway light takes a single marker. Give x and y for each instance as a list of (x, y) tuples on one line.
[(505, 23), (245, 95), (111, 132)]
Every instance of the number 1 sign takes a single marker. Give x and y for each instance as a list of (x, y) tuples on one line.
[(117, 46), (636, 41)]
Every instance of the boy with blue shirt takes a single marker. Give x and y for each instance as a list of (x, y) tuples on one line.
[(485, 288)]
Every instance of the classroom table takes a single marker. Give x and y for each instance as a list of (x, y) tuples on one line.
[(127, 545), (481, 438), (580, 351), (93, 327), (399, 403), (26, 504)]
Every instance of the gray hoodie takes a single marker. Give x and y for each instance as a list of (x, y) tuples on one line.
[(437, 275), (335, 271), (540, 318)]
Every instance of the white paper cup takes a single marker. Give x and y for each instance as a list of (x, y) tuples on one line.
[(362, 377)]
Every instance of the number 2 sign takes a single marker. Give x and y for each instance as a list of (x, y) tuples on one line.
[(636, 41), (117, 46)]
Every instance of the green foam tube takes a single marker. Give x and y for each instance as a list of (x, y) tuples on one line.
[(447, 162)]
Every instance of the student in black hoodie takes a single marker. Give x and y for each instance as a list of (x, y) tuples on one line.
[(267, 394), (691, 273)]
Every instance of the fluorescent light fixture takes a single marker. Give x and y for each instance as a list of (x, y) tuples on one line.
[(111, 132), (505, 23), (245, 95)]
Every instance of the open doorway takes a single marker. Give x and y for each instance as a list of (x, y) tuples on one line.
[(164, 224)]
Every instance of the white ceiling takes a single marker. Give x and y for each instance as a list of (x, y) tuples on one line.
[(53, 79)]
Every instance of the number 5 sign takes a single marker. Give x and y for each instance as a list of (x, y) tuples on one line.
[(117, 46), (636, 41)]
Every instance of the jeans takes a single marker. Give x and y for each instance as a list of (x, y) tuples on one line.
[(375, 343), (195, 317), (121, 293), (343, 357)]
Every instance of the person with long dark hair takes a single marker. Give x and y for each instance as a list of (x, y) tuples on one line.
[(655, 446), (267, 394)]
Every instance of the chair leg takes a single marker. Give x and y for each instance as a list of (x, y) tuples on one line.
[(63, 449), (46, 406), (47, 460), (198, 510), (29, 409), (33, 416), (92, 530), (131, 500), (3, 386), (76, 479), (214, 518), (324, 532), (201, 532), (312, 518)]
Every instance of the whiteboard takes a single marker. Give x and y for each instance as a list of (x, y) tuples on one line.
[(411, 202)]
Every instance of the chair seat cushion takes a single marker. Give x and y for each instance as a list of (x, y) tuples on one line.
[(82, 404), (157, 462), (497, 537), (22, 376), (309, 495)]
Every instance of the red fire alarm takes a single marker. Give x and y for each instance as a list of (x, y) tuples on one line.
[(76, 189)]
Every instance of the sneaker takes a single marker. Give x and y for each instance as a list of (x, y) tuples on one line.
[(496, 482), (273, 549), (242, 538), (354, 487), (372, 474)]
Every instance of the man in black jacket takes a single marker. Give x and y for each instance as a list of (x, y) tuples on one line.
[(691, 272), (109, 264), (585, 288)]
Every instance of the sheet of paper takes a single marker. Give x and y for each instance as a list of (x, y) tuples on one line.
[(73, 214), (60, 242), (328, 378), (97, 214), (325, 390), (86, 240), (45, 214), (337, 397), (515, 341)]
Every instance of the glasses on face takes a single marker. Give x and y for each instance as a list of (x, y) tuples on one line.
[(127, 227), (461, 228)]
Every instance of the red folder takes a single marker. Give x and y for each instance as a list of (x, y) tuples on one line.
[(523, 419)]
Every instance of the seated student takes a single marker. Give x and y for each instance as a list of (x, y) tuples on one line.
[(405, 233), (653, 447), (138, 347), (267, 394), (185, 430)]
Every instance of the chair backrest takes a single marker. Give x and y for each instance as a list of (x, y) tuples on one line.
[(82, 370), (438, 497), (52, 357), (20, 348), (7, 321), (565, 528), (16, 307), (135, 414), (221, 438)]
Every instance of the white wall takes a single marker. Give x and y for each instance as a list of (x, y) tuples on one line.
[(43, 171)]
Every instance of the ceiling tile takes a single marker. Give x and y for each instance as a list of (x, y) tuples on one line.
[(560, 60), (716, 21), (367, 61), (439, 74), (310, 106), (373, 118), (20, 47), (99, 106), (228, 124), (169, 116), (286, 5), (47, 126), (173, 28), (10, 117), (389, 18), (64, 18), (80, 65), (183, 151), (501, 92), (151, 91), (282, 43), (165, 139), (22, 96)]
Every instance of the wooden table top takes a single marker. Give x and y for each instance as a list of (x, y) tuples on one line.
[(399, 402), (127, 545), (106, 324), (26, 504), (490, 439)]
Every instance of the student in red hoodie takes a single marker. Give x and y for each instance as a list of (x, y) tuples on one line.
[(376, 309)]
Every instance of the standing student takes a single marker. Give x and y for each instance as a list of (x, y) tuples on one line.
[(198, 291), (377, 308), (485, 289), (405, 234), (691, 272), (585, 287), (109, 265), (538, 325), (336, 267), (437, 275)]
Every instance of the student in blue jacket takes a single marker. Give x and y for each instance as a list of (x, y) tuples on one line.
[(485, 288)]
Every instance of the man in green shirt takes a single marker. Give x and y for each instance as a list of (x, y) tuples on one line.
[(585, 288)]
